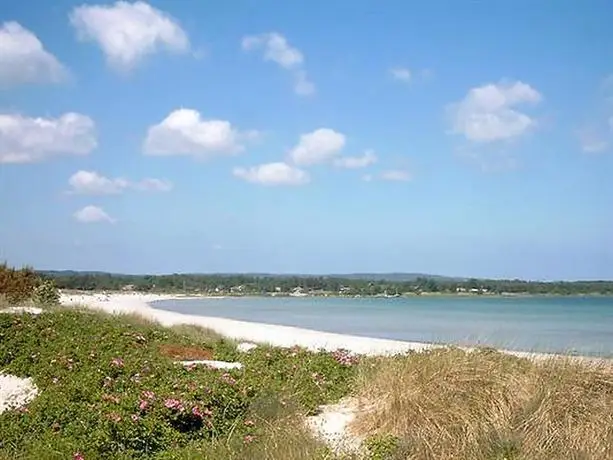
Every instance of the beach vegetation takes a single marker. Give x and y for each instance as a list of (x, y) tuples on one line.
[(25, 284), (453, 404), (111, 388)]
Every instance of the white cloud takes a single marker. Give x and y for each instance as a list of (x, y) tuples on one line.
[(391, 175), (153, 185), (92, 183), (127, 32), (606, 87), (401, 74), (91, 214), (317, 147), (23, 59), (273, 174), (302, 85), (184, 132), (498, 160), (363, 161), (488, 113), (28, 140), (591, 140), (277, 49), (396, 175)]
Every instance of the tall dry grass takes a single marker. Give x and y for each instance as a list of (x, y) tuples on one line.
[(17, 285), (450, 404)]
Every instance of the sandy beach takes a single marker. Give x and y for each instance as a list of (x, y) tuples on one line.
[(275, 335)]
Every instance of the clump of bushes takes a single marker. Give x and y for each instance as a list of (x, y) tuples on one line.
[(107, 390), (20, 285)]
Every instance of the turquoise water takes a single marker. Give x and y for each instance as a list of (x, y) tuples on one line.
[(583, 325)]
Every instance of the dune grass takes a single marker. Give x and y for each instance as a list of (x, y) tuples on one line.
[(451, 404)]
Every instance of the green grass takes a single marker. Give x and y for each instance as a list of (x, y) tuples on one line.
[(95, 373)]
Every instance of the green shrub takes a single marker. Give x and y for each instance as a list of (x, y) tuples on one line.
[(106, 390), (382, 447), (46, 293), (17, 285)]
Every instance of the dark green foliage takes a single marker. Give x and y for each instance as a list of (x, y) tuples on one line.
[(263, 284)]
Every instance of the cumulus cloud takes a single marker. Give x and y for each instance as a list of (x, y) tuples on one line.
[(319, 146), (127, 32), (92, 214), (362, 161), (276, 48), (596, 135), (23, 59), (592, 139), (489, 113), (28, 140), (273, 174), (401, 74), (92, 183), (397, 175), (185, 132), (391, 175), (153, 185)]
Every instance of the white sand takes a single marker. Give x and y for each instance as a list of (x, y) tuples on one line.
[(17, 310), (276, 335), (15, 392), (211, 363), (332, 425), (281, 336)]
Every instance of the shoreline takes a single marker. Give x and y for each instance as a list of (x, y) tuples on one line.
[(271, 334), (460, 295)]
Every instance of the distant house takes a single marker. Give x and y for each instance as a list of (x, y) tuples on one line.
[(128, 287), (297, 292)]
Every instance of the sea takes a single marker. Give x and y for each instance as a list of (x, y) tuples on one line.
[(572, 325)]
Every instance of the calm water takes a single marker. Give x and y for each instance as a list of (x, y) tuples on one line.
[(556, 324)]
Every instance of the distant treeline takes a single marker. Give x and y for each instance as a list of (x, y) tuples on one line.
[(256, 284)]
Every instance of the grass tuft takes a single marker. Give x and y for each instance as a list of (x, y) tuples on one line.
[(451, 404)]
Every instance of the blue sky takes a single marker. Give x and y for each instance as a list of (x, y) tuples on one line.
[(447, 137)]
